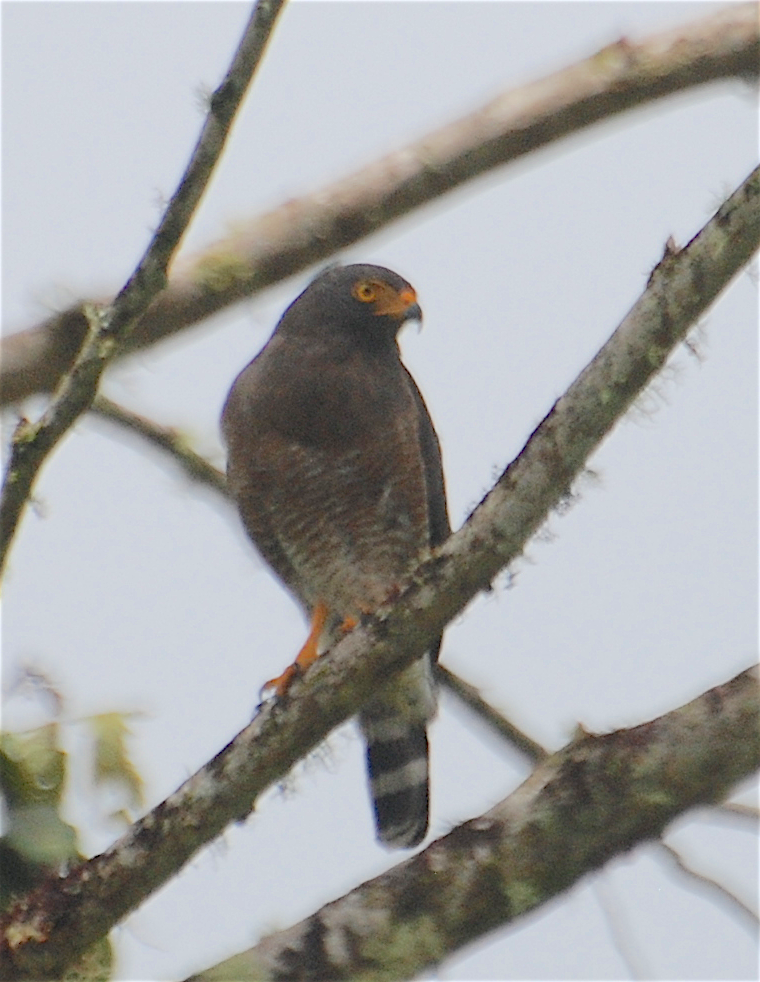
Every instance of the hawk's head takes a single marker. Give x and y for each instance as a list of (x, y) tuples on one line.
[(361, 303)]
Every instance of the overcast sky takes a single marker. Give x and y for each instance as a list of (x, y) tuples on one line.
[(132, 590)]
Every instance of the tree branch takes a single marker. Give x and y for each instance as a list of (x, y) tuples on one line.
[(109, 327), (599, 797), (709, 887), (52, 925), (470, 697), (164, 438), (750, 812), (307, 230)]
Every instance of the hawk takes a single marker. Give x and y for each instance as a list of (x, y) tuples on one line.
[(336, 470)]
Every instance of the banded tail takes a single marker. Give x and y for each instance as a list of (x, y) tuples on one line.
[(395, 728)]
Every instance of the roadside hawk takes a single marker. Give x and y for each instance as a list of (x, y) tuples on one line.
[(336, 470)]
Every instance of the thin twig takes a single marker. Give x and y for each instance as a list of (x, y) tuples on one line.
[(307, 230), (706, 884), (167, 439), (735, 814), (750, 812), (470, 696), (620, 929), (109, 326)]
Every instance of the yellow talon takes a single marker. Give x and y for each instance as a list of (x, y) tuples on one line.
[(305, 657)]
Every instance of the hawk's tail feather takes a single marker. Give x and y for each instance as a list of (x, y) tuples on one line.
[(397, 762)]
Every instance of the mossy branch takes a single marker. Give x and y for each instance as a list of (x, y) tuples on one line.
[(598, 797)]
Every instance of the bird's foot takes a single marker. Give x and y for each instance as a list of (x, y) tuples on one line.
[(306, 656)]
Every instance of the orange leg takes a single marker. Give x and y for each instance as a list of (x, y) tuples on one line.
[(305, 657)]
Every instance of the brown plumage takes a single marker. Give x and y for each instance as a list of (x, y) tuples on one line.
[(336, 470)]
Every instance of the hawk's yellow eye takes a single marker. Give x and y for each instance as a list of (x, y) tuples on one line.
[(364, 291)]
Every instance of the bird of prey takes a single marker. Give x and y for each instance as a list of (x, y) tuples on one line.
[(336, 470)]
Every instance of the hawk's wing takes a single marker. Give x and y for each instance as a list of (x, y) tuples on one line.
[(430, 450)]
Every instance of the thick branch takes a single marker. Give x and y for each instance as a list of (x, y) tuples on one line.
[(109, 327), (58, 921), (307, 230), (597, 798)]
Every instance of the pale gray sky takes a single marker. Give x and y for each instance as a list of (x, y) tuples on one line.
[(134, 592)]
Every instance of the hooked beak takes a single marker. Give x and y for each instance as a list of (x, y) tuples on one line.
[(413, 313), (402, 306)]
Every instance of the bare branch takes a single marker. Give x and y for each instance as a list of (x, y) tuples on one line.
[(721, 896), (307, 230), (108, 327), (750, 812), (471, 698), (619, 929), (169, 440), (61, 919), (597, 798)]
